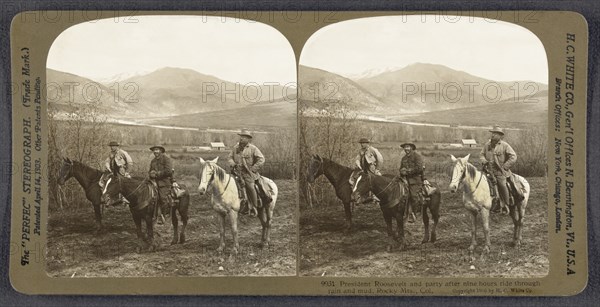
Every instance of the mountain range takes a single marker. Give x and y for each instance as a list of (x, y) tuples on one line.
[(165, 92), (418, 89)]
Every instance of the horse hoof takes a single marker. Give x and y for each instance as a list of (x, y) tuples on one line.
[(181, 239), (424, 241), (264, 245), (234, 251), (433, 238), (220, 249), (174, 241), (486, 250)]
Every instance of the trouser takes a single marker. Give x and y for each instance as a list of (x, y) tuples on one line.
[(164, 199), (414, 200), (502, 189), (250, 192)]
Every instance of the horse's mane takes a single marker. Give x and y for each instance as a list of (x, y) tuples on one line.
[(219, 171), (88, 171), (471, 169)]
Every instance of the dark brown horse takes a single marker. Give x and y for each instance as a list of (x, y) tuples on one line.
[(88, 177), (393, 196), (143, 205), (339, 176)]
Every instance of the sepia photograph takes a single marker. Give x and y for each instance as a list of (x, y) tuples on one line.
[(423, 149), (172, 149)]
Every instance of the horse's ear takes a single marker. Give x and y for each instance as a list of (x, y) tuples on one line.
[(466, 158), (202, 160), (453, 158), (215, 160)]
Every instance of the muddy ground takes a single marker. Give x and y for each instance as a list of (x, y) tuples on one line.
[(75, 250), (326, 250)]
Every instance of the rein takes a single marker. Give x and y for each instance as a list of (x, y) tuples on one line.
[(384, 189), (464, 174), (212, 179)]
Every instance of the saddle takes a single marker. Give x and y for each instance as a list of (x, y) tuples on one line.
[(262, 187)]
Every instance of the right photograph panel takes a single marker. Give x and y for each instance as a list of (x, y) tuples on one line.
[(423, 144)]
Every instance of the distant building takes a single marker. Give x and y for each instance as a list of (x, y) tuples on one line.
[(217, 145), (456, 145), (469, 142), (195, 148)]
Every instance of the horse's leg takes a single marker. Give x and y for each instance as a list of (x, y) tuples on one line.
[(348, 212), (137, 219), (175, 223), (485, 221), (434, 208), (262, 216), (183, 211), (148, 212), (516, 213), (98, 216), (387, 216), (221, 220), (234, 231), (473, 231), (271, 209), (425, 217), (399, 213)]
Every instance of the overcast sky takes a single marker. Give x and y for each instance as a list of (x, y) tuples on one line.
[(239, 51), (494, 50)]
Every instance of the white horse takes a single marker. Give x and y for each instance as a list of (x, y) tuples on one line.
[(477, 200), (226, 202)]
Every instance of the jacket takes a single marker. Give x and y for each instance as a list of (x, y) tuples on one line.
[(248, 159), (369, 159), (412, 164), (122, 159), (163, 166), (502, 156)]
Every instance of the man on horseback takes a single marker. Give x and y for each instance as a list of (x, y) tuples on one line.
[(368, 160), (411, 170), (119, 162), (161, 173), (245, 161), (497, 156)]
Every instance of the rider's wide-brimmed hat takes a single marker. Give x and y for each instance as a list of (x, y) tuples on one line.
[(245, 132), (497, 129), (413, 146), (113, 143), (364, 140), (157, 147)]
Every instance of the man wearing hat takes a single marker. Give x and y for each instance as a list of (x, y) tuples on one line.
[(411, 169), (161, 172), (369, 159), (245, 161), (118, 162), (497, 156)]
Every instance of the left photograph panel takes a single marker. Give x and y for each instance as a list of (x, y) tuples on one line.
[(172, 149)]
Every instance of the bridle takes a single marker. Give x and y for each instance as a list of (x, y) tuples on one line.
[(371, 184), (464, 174), (212, 178), (120, 186)]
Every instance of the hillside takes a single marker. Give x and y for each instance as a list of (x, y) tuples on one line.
[(508, 114), (317, 85), (411, 88), (263, 116), (66, 91)]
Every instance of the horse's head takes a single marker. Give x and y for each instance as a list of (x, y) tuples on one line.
[(65, 172), (361, 187), (207, 174), (315, 168), (458, 171), (110, 185)]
